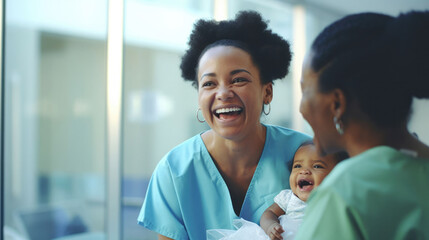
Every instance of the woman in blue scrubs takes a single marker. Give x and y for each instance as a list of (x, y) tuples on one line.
[(235, 169), (358, 84)]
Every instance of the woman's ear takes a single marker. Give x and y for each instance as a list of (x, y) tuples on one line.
[(268, 92), (339, 103)]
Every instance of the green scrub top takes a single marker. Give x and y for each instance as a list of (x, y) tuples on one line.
[(187, 195), (379, 194)]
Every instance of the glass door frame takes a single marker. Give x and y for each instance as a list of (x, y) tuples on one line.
[(113, 119), (2, 82), (115, 37)]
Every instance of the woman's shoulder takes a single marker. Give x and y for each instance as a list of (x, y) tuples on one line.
[(280, 132), (371, 169), (188, 146), (179, 158), (380, 158), (283, 140)]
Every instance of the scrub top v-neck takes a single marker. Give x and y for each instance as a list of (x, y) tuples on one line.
[(187, 195)]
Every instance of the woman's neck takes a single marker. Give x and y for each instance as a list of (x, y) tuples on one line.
[(360, 138), (236, 153)]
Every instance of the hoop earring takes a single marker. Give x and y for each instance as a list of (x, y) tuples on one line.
[(199, 109), (269, 109), (339, 126)]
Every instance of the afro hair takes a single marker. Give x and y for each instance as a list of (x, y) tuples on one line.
[(248, 31)]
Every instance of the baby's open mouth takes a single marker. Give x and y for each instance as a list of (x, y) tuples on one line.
[(305, 184), (224, 113)]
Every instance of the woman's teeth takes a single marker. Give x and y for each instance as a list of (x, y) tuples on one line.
[(227, 110)]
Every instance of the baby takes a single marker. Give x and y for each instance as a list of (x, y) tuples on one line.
[(308, 171), (282, 219)]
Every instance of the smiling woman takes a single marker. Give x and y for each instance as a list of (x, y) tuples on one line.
[(236, 168), (230, 81)]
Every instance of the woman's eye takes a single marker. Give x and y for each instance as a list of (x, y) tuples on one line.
[(238, 80), (207, 84)]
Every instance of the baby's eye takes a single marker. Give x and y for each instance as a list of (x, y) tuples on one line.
[(297, 166), (318, 166)]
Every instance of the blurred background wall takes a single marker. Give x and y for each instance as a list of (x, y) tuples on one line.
[(56, 177)]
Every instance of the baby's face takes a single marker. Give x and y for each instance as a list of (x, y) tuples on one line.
[(308, 171)]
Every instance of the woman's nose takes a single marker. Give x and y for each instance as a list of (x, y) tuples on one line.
[(224, 93)]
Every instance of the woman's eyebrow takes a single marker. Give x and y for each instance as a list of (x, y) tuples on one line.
[(233, 72), (207, 74)]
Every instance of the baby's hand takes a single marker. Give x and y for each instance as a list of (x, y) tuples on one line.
[(275, 231)]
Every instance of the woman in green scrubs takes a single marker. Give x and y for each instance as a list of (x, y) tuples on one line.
[(358, 83)]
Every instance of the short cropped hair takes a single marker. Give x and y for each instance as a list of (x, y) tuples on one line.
[(379, 61)]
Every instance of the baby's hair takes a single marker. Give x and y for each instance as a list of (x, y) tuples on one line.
[(249, 32), (379, 61)]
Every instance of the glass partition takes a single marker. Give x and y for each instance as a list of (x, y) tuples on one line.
[(54, 118), (159, 107)]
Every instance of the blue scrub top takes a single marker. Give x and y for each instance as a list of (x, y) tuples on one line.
[(187, 195)]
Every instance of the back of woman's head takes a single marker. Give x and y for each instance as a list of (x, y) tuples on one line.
[(249, 32), (379, 61)]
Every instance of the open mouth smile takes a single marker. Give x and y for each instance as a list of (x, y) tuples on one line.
[(226, 113), (305, 184)]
